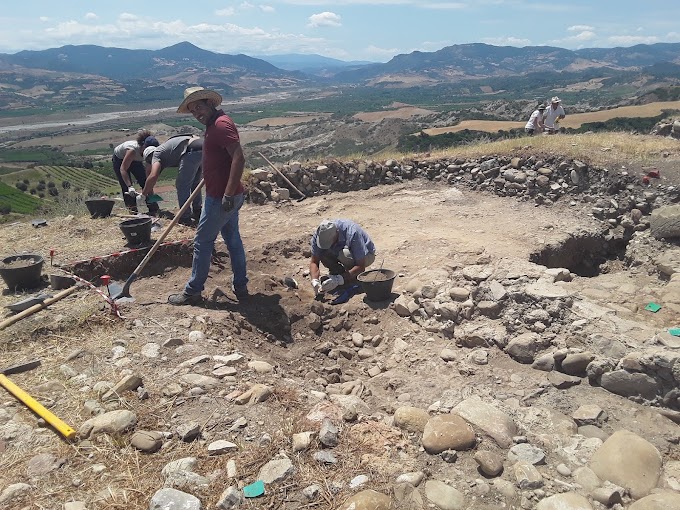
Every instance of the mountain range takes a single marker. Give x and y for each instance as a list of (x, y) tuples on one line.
[(89, 74)]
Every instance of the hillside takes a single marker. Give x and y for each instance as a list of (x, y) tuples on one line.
[(464, 61), (93, 76)]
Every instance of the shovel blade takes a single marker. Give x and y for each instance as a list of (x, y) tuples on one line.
[(122, 294)]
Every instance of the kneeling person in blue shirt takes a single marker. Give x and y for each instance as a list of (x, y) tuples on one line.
[(344, 248)]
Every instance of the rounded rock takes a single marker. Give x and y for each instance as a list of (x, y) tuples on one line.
[(447, 432), (147, 441)]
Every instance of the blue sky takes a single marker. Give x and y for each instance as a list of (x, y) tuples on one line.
[(373, 30)]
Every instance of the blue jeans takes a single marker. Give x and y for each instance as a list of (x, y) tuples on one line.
[(188, 176), (214, 220)]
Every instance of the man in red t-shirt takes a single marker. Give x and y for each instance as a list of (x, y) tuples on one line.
[(223, 162)]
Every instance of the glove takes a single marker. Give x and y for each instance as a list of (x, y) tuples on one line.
[(131, 191), (332, 282), (227, 203), (316, 285)]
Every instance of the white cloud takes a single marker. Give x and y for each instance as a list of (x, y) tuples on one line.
[(325, 19), (44, 19), (583, 36), (627, 40), (507, 41), (91, 15), (245, 6), (132, 32), (267, 8), (227, 11), (580, 28), (126, 16)]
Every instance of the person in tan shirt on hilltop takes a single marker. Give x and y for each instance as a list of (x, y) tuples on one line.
[(553, 115)]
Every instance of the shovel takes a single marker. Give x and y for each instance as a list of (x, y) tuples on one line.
[(124, 295)]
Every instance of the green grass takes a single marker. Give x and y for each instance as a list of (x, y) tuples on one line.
[(80, 177), (18, 201), (40, 156)]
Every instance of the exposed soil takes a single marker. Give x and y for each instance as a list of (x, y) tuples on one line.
[(429, 233)]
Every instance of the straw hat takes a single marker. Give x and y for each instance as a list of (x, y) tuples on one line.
[(196, 94), (555, 99)]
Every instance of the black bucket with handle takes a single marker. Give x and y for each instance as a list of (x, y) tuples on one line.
[(377, 283), (99, 207), (21, 271), (137, 230)]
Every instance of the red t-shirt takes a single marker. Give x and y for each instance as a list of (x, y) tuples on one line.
[(216, 160)]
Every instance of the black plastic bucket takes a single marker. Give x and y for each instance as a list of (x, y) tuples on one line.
[(25, 276), (99, 207), (137, 230), (377, 283), (58, 282)]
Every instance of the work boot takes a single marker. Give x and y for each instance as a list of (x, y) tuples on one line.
[(196, 214), (187, 222), (242, 293), (185, 299)]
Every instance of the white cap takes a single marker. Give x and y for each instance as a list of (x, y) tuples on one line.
[(148, 152)]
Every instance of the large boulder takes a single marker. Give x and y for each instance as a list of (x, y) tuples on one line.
[(663, 501), (629, 461)]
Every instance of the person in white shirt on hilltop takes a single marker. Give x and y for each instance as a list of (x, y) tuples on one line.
[(553, 115), (535, 121)]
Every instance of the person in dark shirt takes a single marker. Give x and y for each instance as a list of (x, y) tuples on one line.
[(223, 163)]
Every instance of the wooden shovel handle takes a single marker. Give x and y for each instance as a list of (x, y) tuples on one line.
[(37, 307)]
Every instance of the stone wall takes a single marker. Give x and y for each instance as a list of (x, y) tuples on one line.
[(616, 198)]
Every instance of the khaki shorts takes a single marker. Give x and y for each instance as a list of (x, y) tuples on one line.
[(345, 258)]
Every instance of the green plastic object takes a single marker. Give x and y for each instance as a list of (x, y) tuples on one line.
[(153, 198), (674, 331), (653, 307), (254, 490)]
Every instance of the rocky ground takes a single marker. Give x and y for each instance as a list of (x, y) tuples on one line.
[(492, 378)]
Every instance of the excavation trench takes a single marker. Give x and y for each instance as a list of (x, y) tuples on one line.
[(120, 266), (585, 254)]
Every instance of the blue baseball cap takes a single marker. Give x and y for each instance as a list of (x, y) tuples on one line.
[(150, 141)]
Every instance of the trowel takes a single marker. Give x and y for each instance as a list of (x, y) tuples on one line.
[(28, 302)]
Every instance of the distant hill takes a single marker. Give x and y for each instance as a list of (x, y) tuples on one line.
[(85, 76), (312, 64), (465, 61), (181, 63)]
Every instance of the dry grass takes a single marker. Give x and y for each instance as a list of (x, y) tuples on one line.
[(74, 238), (571, 121), (597, 148)]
